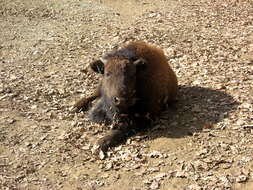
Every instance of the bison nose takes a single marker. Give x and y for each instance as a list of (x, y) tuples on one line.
[(119, 101)]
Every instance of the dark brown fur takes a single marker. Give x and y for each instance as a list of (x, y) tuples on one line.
[(137, 80)]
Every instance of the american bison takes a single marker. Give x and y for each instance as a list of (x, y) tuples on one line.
[(137, 84)]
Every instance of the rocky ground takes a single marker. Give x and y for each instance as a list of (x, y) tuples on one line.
[(204, 143)]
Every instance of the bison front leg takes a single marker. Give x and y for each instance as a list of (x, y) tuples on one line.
[(113, 138), (85, 102), (120, 132)]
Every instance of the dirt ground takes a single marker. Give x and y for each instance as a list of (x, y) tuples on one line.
[(204, 143)]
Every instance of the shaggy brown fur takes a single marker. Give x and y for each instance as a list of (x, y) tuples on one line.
[(137, 80)]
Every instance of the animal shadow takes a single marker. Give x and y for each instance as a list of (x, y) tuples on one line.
[(197, 108)]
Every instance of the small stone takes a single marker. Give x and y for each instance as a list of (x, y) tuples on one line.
[(160, 176), (155, 154), (101, 155), (151, 170), (241, 178), (11, 121), (180, 174), (194, 187), (154, 185), (147, 181), (34, 106), (108, 166)]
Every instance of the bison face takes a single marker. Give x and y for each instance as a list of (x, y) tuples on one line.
[(119, 81)]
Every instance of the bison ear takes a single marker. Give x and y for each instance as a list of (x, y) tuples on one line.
[(98, 66), (140, 64)]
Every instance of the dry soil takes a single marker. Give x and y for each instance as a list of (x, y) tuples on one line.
[(205, 142)]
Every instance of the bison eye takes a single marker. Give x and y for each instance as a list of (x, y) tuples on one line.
[(108, 74)]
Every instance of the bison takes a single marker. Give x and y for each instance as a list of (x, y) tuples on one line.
[(137, 84)]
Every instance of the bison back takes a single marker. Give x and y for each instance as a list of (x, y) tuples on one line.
[(157, 85)]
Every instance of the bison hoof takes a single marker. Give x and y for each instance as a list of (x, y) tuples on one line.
[(100, 147), (81, 105)]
